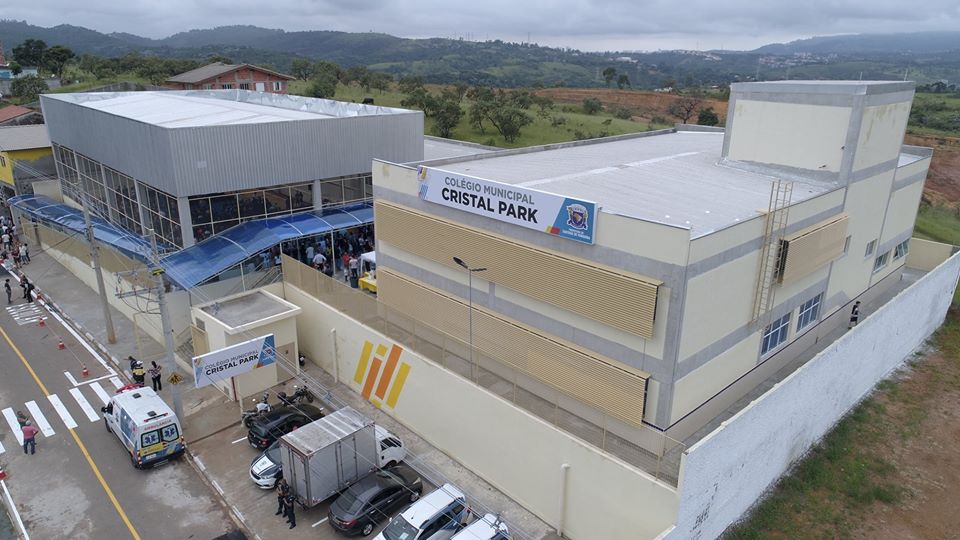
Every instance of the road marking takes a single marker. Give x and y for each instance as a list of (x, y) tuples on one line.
[(83, 449), (13, 508), (321, 521), (2, 449), (239, 440), (62, 411), (39, 419), (14, 425), (84, 404), (26, 313), (116, 382), (101, 393)]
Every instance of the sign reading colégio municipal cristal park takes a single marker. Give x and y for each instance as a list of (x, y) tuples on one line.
[(575, 219), (234, 360)]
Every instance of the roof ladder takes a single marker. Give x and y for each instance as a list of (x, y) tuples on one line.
[(775, 224)]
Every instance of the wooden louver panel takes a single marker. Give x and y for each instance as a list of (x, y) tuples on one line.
[(812, 248), (617, 391), (620, 300)]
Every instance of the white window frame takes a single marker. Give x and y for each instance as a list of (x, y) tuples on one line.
[(779, 330), (871, 247), (901, 250), (846, 245), (278, 86), (881, 262), (809, 312), (226, 86), (244, 86)]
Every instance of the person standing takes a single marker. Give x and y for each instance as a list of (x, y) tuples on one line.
[(282, 490), (9, 291), (288, 505), (854, 314), (24, 253), (29, 291), (139, 374), (22, 419), (318, 260), (5, 237), (310, 252), (29, 437), (23, 284), (155, 376)]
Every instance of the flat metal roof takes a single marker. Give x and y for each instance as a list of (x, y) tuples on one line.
[(200, 108), (436, 148), (674, 179), (245, 309), (24, 137)]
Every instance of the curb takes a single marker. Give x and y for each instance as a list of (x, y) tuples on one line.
[(232, 510)]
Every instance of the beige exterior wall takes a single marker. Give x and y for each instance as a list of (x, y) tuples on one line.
[(820, 130), (881, 134), (704, 382), (606, 498), (927, 255)]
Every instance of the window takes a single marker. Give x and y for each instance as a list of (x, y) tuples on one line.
[(188, 86), (901, 250), (207, 86), (149, 439), (881, 261), (244, 86), (775, 334), (846, 245), (870, 247), (809, 312), (170, 433), (3, 161), (226, 86), (277, 86)]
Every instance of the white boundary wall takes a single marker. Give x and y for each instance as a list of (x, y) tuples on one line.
[(725, 473)]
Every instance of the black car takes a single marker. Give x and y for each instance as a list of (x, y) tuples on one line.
[(373, 498), (280, 421)]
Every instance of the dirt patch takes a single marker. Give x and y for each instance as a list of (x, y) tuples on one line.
[(943, 180), (927, 407), (646, 105)]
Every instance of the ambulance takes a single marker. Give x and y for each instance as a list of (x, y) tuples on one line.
[(145, 425)]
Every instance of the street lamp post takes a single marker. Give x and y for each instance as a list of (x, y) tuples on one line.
[(470, 272)]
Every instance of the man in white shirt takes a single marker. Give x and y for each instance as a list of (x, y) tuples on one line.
[(319, 260)]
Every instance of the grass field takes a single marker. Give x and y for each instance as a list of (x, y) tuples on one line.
[(935, 114)]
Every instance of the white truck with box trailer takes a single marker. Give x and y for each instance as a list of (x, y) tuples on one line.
[(324, 457)]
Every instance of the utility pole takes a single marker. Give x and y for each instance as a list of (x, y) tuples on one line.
[(167, 328), (95, 255), (470, 272)]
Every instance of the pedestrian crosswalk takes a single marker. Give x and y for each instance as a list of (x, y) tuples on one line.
[(82, 405), (28, 313)]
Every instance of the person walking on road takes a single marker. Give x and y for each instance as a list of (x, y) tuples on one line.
[(23, 284), (28, 291), (282, 490), (139, 374), (9, 291), (29, 437), (155, 376), (854, 315), (288, 504)]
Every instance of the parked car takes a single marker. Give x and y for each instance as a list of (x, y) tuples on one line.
[(374, 498), (267, 468), (436, 516), (489, 527), (275, 424)]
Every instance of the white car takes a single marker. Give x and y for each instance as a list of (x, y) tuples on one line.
[(435, 516), (489, 527), (267, 468)]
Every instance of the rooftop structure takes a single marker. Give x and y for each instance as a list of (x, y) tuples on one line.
[(23, 137), (217, 69), (241, 313)]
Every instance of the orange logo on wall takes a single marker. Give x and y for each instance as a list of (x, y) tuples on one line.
[(392, 365)]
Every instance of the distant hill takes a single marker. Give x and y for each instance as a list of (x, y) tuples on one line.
[(924, 56), (913, 42)]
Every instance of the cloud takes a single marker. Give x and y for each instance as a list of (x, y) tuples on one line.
[(586, 24)]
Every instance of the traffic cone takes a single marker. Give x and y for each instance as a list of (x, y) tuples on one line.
[(85, 372), (43, 321), (60, 344), (3, 474)]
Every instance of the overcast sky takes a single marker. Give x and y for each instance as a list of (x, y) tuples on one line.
[(583, 24)]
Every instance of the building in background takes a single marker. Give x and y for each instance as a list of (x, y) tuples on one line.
[(25, 157), (643, 277), (15, 115), (192, 164), (220, 76)]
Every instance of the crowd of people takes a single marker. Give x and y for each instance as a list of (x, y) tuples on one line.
[(11, 246)]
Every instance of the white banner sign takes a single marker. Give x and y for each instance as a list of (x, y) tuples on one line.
[(574, 219), (234, 360)]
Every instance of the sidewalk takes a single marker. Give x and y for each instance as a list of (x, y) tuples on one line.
[(210, 418)]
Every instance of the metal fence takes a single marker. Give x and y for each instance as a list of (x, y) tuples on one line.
[(659, 455)]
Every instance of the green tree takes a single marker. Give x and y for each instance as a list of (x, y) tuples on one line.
[(30, 53), (483, 101), (609, 74), (28, 88), (324, 85), (15, 68), (329, 69), (446, 115), (380, 81), (214, 58), (55, 59), (409, 84), (302, 69), (154, 70), (509, 120), (419, 98), (708, 117), (592, 105), (354, 74), (622, 81)]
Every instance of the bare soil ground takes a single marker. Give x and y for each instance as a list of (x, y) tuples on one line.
[(943, 181)]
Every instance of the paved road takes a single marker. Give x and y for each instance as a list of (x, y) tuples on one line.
[(80, 484)]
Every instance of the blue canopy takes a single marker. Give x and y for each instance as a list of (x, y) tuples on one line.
[(198, 263), (47, 210), (191, 266)]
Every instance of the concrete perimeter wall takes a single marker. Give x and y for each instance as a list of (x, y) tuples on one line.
[(516, 452), (724, 474)]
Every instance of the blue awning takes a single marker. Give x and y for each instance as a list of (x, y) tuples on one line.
[(196, 264), (191, 266), (47, 210)]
